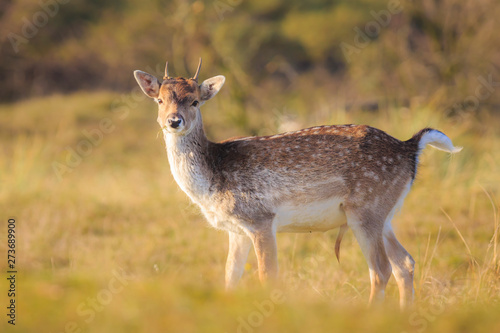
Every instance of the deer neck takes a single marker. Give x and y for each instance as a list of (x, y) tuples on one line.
[(188, 156)]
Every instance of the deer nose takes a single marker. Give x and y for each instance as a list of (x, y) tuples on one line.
[(174, 121)]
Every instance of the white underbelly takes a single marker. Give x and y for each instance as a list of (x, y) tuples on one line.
[(317, 216)]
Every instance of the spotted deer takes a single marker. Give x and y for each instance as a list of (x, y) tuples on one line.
[(314, 179)]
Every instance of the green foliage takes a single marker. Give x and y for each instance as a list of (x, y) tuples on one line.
[(430, 50), (321, 31)]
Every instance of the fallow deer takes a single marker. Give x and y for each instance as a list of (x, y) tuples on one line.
[(314, 179)]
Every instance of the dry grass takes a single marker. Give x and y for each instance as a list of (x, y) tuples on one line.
[(119, 208)]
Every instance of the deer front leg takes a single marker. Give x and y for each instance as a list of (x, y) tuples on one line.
[(264, 242), (239, 246)]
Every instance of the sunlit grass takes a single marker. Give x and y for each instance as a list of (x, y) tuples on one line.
[(120, 209)]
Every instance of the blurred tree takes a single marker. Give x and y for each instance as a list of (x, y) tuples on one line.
[(432, 49)]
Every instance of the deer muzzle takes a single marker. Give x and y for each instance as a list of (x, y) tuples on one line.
[(175, 121)]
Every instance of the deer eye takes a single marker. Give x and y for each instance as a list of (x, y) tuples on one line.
[(159, 101), (195, 103)]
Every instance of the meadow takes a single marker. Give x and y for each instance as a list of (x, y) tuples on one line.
[(107, 242)]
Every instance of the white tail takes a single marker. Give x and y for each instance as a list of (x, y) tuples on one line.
[(315, 179), (437, 140)]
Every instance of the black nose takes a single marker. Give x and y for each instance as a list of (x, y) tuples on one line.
[(174, 123)]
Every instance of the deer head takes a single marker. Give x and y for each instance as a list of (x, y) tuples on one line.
[(179, 99)]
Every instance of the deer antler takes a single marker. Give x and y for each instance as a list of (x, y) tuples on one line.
[(166, 72), (195, 77)]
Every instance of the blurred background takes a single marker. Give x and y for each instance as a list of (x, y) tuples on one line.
[(359, 53), (84, 172)]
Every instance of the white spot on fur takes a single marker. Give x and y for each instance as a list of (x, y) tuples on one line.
[(371, 175)]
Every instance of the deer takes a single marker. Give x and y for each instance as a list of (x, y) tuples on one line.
[(312, 180)]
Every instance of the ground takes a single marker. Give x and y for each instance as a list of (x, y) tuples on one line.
[(106, 242)]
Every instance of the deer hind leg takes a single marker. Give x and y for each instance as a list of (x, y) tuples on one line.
[(403, 266), (239, 247), (264, 242), (369, 234)]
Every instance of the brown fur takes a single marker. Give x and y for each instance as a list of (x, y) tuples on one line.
[(253, 186), (372, 163)]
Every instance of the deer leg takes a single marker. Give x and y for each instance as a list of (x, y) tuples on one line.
[(239, 247), (368, 233), (264, 243), (403, 267)]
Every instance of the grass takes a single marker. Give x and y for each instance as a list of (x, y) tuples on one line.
[(110, 244)]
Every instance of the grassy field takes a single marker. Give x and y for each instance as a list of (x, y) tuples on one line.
[(106, 242)]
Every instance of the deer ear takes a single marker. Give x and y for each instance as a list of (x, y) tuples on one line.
[(210, 87), (148, 83)]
